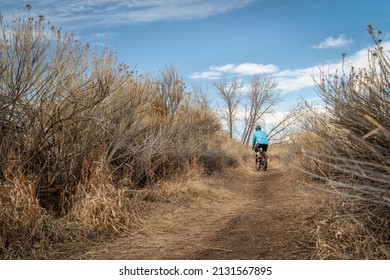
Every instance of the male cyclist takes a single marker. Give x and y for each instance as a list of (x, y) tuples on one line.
[(260, 139)]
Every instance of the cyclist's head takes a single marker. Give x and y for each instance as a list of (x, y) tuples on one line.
[(258, 127)]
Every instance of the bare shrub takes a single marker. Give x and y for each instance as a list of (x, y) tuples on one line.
[(347, 148), (355, 132), (80, 132), (50, 90)]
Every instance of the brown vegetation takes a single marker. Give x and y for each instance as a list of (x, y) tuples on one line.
[(80, 133), (86, 145), (346, 150)]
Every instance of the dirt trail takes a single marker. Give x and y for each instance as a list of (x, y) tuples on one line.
[(271, 225), (258, 215)]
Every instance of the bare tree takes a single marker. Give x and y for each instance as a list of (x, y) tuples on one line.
[(231, 96), (263, 97), (200, 95)]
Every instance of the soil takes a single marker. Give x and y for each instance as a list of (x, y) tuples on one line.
[(249, 215)]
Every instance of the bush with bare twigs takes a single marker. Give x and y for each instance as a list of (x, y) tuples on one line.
[(347, 148), (79, 131)]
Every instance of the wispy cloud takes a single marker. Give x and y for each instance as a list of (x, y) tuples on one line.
[(246, 68), (290, 79), (243, 69), (330, 42), (206, 75), (296, 79), (121, 12)]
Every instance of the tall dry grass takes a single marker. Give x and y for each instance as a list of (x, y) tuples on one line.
[(26, 228), (346, 149), (80, 133)]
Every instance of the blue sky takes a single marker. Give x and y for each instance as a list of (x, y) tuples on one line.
[(208, 39)]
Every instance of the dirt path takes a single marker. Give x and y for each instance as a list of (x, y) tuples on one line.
[(271, 225), (249, 215)]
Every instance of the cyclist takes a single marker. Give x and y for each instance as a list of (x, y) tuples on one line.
[(259, 140)]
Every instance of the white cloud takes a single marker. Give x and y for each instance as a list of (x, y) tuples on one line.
[(244, 69), (206, 75), (288, 80), (297, 79), (291, 79), (358, 60), (331, 42)]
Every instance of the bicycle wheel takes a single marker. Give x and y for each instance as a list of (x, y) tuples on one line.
[(265, 162), (258, 165)]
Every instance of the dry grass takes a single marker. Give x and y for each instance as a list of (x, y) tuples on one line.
[(345, 149), (26, 228), (281, 153), (177, 214), (182, 198), (345, 230), (82, 139), (101, 207)]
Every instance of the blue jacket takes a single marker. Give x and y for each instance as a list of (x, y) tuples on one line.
[(259, 136)]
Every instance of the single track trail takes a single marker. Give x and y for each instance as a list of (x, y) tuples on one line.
[(249, 215)]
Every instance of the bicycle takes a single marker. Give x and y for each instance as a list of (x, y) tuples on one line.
[(261, 159)]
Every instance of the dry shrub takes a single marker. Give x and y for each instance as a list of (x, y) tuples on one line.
[(50, 91), (26, 229), (281, 152), (308, 147), (184, 188), (215, 161), (102, 207), (159, 128), (223, 152), (348, 231), (87, 133), (347, 147)]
